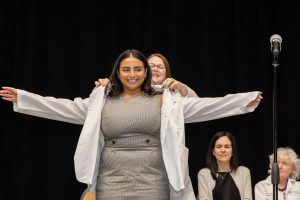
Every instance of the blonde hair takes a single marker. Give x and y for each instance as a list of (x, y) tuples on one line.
[(291, 155)]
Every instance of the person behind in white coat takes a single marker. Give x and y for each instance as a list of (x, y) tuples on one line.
[(224, 179), (161, 75), (289, 172), (132, 144)]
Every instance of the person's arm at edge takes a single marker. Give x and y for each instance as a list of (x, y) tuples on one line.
[(248, 186), (259, 191), (202, 187)]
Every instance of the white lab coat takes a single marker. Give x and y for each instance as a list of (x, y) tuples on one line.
[(264, 190), (176, 110)]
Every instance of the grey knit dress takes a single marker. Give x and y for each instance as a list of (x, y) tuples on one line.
[(131, 164)]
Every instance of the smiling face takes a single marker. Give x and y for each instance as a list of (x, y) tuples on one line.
[(223, 150), (286, 167), (132, 74), (158, 70)]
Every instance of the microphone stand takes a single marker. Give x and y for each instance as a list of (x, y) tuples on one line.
[(275, 168)]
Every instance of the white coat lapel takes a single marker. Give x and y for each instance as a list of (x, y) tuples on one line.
[(87, 147), (166, 113)]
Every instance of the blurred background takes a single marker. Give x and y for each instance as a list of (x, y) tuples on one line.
[(59, 48)]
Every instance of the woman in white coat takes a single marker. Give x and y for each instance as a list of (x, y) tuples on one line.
[(289, 172), (131, 80), (161, 78)]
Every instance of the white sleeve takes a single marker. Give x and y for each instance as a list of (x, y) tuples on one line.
[(259, 191), (51, 108), (204, 109)]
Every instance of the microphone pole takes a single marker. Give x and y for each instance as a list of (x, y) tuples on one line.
[(275, 41)]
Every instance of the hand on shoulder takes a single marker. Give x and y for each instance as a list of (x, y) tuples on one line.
[(174, 85)]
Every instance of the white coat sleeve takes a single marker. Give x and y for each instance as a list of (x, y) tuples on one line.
[(204, 109), (259, 191), (51, 108)]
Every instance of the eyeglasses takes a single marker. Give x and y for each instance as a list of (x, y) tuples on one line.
[(159, 66)]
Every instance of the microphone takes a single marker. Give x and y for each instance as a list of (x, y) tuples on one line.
[(275, 41)]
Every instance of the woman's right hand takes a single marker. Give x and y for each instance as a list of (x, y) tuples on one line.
[(102, 82), (174, 85), (9, 94)]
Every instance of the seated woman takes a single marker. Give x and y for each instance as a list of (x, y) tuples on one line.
[(289, 172), (223, 179)]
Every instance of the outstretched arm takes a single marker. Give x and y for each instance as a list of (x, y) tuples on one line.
[(46, 107), (204, 109)]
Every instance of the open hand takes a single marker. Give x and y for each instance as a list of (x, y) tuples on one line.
[(9, 94)]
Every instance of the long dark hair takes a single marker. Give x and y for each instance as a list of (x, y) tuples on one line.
[(211, 160), (116, 85)]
